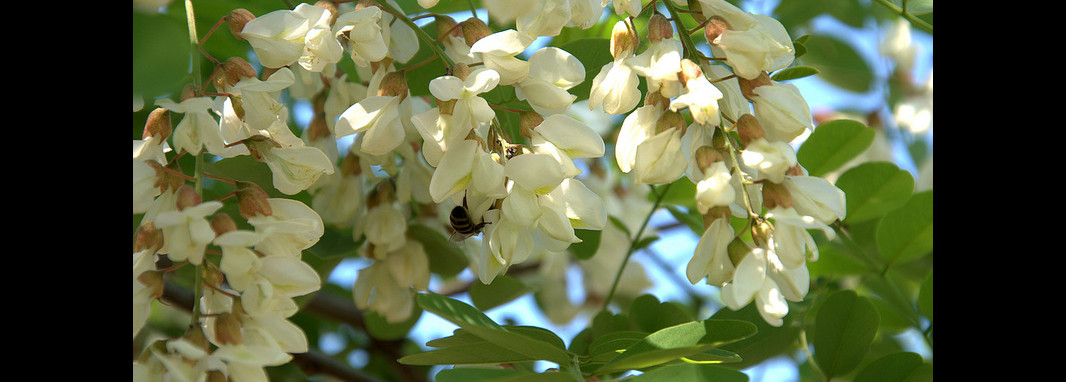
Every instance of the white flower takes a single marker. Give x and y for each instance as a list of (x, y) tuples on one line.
[(736, 17), (766, 46), (790, 239), (770, 159), (732, 105), (506, 11), (400, 38), (378, 118), (465, 164), (636, 128), (816, 197), (625, 7), (552, 71), (506, 243), (715, 189), (615, 87), (144, 189), (340, 203), (197, 129), (548, 20), (498, 51), (584, 208), (701, 100), (377, 290), (752, 282), (363, 34), (385, 229), (295, 169), (292, 227), (660, 64), (565, 139), (470, 110), (539, 173), (261, 101), (321, 46), (585, 13), (277, 37), (239, 262), (660, 158), (187, 232), (782, 111), (711, 258)]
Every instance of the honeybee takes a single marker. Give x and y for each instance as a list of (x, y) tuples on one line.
[(463, 224)]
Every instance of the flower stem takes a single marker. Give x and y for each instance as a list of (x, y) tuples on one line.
[(190, 17), (633, 242), (683, 34), (919, 23), (418, 31)]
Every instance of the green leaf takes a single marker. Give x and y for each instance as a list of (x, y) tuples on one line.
[(685, 372), (378, 327), (590, 242), (445, 258), (925, 297), (161, 54), (679, 341), (906, 233), (873, 189), (680, 193), (768, 341), (844, 329), (478, 324), (897, 367), (833, 144), (594, 53), (475, 374), (503, 289), (838, 63), (481, 352), (794, 72), (649, 315)]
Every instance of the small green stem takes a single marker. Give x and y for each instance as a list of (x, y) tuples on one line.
[(190, 17), (422, 35), (633, 242), (918, 23)]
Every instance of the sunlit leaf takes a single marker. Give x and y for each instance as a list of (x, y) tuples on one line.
[(873, 189), (833, 144), (907, 232), (845, 326)]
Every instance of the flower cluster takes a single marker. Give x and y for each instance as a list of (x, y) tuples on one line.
[(443, 160)]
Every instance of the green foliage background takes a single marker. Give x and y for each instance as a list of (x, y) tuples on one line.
[(874, 281)]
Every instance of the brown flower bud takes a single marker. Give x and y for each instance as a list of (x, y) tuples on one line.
[(236, 20), (187, 197), (252, 201), (748, 129), (623, 40), (474, 29), (446, 25), (153, 281), (158, 124), (670, 119), (258, 146), (350, 165), (659, 28), (714, 28), (189, 91), (222, 223), (228, 329), (656, 98), (776, 195), (461, 71), (233, 70), (394, 84), (689, 71), (147, 237), (747, 87), (706, 156), (527, 121)]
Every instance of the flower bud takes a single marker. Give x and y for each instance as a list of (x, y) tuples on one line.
[(670, 119), (165, 180), (705, 156), (252, 201), (461, 71), (623, 40), (222, 223), (474, 29), (527, 121), (189, 91), (749, 129), (350, 165), (153, 281), (689, 71), (714, 28), (158, 124), (236, 20), (187, 197), (228, 329), (657, 98), (394, 84), (447, 25), (776, 195), (659, 28), (747, 87), (233, 70), (714, 213), (147, 237)]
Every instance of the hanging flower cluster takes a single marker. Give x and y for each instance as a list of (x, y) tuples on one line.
[(444, 161)]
